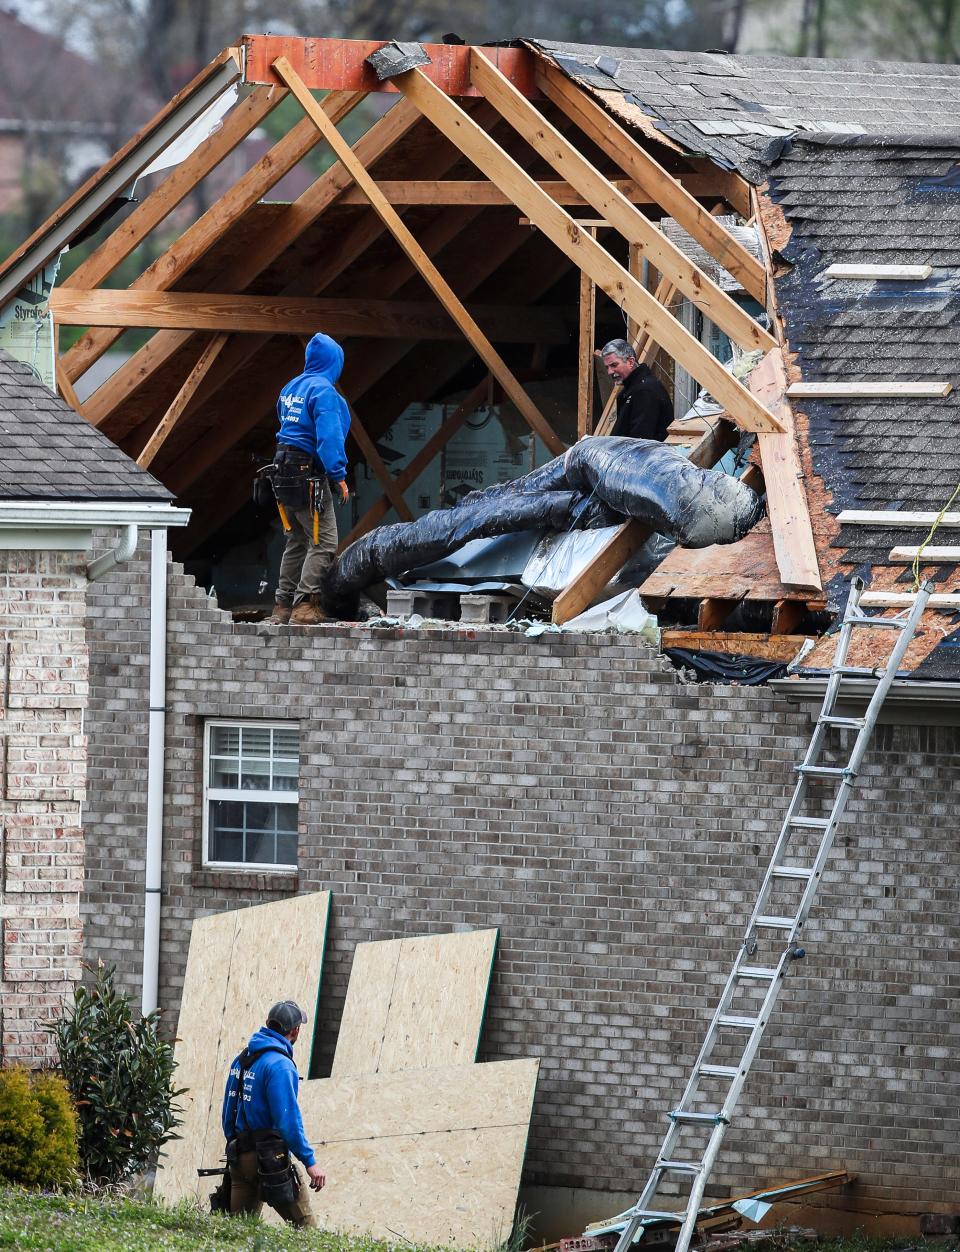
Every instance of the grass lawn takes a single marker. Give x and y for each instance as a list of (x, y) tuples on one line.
[(61, 1223)]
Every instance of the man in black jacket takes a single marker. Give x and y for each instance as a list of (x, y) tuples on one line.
[(644, 410)]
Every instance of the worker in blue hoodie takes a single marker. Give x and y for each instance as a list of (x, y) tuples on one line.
[(262, 1123), (310, 459)]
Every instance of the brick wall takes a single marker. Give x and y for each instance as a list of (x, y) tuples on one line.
[(614, 822), (44, 677)]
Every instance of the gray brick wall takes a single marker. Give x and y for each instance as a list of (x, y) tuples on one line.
[(614, 822)]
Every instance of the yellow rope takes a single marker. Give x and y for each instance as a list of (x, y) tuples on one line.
[(933, 530)]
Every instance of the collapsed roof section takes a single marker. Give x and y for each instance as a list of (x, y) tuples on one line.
[(412, 247)]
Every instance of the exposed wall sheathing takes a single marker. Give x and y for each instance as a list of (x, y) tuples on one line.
[(614, 823)]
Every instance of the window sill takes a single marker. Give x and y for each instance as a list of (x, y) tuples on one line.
[(246, 880)]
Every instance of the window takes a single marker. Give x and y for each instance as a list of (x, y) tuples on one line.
[(250, 794)]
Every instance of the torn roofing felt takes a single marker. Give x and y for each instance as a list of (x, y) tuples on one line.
[(731, 108), (49, 452), (889, 201)]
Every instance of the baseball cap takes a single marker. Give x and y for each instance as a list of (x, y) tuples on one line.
[(286, 1014)]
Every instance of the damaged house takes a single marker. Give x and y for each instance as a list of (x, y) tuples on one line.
[(777, 233)]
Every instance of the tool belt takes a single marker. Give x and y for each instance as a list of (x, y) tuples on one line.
[(290, 479), (279, 1181)]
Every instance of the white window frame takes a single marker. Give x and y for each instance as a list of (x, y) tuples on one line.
[(227, 793)]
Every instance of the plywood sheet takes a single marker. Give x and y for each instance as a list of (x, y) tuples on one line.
[(430, 1156), (415, 1003), (746, 569), (239, 963)]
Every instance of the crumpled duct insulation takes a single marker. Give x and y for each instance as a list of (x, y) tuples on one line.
[(597, 482)]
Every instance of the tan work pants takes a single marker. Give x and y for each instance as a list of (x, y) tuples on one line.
[(304, 562), (245, 1194)]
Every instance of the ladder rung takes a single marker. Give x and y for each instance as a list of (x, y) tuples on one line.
[(719, 1071), (856, 671), (810, 823), (776, 923), (679, 1167), (683, 1115), (847, 723), (888, 623), (825, 771), (792, 871), (745, 1023), (757, 973)]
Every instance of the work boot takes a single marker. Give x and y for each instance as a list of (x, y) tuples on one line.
[(280, 615), (308, 613)]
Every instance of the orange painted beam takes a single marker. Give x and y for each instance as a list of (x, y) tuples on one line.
[(340, 64)]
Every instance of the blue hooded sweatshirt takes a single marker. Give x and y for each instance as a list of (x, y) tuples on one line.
[(270, 1088), (313, 415)]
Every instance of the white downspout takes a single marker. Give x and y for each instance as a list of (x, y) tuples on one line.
[(122, 552), (155, 769)]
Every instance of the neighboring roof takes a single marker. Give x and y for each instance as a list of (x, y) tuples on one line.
[(879, 201), (49, 452), (43, 81), (731, 107)]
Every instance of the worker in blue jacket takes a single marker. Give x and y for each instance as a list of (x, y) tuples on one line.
[(310, 459), (262, 1123)]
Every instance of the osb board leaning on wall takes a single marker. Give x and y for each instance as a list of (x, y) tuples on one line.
[(239, 964), (415, 1003), (430, 1156)]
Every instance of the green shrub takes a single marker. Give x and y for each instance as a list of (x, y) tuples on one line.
[(38, 1129), (119, 1072)]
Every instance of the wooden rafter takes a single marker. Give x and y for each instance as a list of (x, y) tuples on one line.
[(112, 179), (290, 315), (586, 253), (455, 191), (305, 210), (585, 379), (204, 233), (783, 478), (178, 184), (661, 187), (441, 289), (632, 535), (181, 400), (614, 207)]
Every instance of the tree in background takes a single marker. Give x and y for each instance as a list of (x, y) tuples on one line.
[(895, 30)]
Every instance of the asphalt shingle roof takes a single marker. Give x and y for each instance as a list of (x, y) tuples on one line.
[(731, 108), (49, 452), (890, 201)]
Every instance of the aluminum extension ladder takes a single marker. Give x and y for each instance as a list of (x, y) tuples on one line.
[(779, 921)]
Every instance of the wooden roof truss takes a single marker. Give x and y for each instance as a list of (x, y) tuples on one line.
[(214, 304)]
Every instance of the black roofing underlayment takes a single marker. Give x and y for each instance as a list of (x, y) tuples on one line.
[(731, 108), (49, 452)]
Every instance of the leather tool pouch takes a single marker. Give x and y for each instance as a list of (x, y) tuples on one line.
[(291, 481), (278, 1178), (263, 496)]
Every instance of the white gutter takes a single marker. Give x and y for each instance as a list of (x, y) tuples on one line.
[(61, 515), (155, 770)]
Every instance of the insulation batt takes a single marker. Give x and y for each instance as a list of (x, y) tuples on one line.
[(597, 482)]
